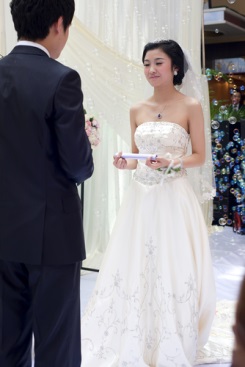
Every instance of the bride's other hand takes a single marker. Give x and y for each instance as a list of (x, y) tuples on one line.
[(119, 162), (159, 162)]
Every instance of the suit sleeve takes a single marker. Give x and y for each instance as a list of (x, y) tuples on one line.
[(74, 148)]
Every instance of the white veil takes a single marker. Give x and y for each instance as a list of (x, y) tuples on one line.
[(201, 178)]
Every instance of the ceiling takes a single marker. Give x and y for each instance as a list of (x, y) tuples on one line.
[(224, 22), (238, 6)]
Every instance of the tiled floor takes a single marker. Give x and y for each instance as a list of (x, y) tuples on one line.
[(228, 253)]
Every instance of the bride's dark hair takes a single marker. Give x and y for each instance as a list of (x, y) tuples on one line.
[(174, 51)]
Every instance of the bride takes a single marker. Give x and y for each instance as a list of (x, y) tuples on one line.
[(154, 299)]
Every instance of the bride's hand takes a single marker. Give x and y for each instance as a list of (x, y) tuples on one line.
[(119, 162), (159, 162)]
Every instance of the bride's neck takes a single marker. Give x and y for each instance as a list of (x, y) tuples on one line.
[(164, 94)]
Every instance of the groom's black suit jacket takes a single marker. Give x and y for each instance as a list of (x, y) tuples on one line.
[(44, 153)]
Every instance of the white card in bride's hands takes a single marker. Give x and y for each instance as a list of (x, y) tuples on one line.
[(137, 156)]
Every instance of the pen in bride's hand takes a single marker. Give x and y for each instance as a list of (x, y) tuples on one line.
[(138, 156)]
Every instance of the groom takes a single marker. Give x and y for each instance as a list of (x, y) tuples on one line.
[(44, 154)]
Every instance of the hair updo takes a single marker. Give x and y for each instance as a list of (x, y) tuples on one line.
[(175, 52)]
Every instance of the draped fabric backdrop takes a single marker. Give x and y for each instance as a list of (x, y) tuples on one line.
[(105, 46), (2, 29)]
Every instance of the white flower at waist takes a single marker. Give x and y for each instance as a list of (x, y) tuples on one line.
[(171, 169)]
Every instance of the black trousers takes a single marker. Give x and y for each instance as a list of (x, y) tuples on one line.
[(44, 302)]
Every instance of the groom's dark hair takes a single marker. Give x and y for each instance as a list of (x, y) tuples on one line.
[(33, 18)]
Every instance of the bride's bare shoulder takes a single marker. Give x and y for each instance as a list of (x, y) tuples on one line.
[(138, 106), (191, 101)]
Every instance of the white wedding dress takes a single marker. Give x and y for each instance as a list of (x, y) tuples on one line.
[(154, 299)]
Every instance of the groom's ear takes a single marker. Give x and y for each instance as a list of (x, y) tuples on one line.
[(58, 26)]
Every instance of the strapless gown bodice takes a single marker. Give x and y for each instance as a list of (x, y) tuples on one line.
[(162, 137), (166, 139)]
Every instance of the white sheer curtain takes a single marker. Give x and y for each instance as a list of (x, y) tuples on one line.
[(2, 30), (8, 35), (105, 46)]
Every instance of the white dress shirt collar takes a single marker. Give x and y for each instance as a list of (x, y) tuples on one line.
[(33, 44)]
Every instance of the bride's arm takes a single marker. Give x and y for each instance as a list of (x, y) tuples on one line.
[(196, 130), (120, 162)]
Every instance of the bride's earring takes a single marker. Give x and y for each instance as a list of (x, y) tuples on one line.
[(175, 72)]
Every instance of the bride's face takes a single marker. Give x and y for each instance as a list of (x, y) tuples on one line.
[(158, 68)]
